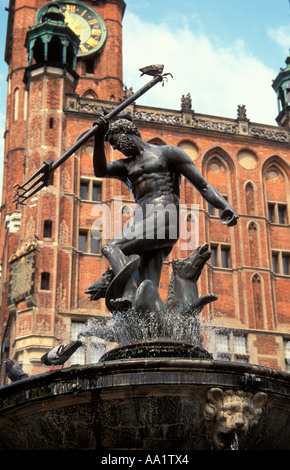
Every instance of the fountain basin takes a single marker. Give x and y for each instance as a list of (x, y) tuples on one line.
[(157, 348), (137, 404)]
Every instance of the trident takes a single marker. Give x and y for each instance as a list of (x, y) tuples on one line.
[(44, 175)]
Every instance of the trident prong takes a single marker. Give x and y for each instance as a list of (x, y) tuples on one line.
[(44, 177)]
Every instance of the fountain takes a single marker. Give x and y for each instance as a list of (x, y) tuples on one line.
[(159, 390)]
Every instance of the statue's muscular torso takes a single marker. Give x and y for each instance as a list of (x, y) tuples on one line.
[(150, 178)]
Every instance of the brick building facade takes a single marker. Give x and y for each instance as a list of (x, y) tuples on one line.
[(48, 252)]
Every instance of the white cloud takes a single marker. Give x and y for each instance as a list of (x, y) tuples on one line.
[(281, 36), (218, 79)]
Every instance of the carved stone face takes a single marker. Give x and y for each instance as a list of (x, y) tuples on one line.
[(231, 412), (235, 415)]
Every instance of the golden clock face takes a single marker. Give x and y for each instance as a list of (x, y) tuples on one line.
[(87, 24)]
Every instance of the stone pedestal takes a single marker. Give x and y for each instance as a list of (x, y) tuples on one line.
[(154, 403)]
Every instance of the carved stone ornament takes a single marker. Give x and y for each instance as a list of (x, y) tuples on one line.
[(242, 113), (79, 104), (186, 102), (231, 412), (128, 92)]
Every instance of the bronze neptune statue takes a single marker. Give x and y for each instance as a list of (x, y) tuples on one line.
[(153, 174)]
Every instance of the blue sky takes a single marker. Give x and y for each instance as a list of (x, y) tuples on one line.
[(224, 53), (222, 21)]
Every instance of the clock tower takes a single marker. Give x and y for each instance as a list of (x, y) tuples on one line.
[(281, 85), (63, 57)]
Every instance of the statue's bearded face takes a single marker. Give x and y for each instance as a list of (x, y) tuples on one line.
[(124, 143)]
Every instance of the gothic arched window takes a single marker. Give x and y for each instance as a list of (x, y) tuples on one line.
[(277, 194)]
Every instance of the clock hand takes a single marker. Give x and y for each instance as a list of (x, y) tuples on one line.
[(69, 20), (77, 21)]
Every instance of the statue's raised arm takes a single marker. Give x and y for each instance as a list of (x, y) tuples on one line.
[(99, 156)]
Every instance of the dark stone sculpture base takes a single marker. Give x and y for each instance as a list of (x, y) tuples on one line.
[(151, 404)]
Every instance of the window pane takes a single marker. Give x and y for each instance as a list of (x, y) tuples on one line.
[(83, 241), (213, 250), (225, 253), (222, 343), (286, 343), (97, 190), (275, 262), (84, 190), (271, 212), (240, 344), (285, 264), (282, 214), (95, 245), (210, 208)]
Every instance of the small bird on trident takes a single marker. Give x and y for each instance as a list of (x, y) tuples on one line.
[(152, 70)]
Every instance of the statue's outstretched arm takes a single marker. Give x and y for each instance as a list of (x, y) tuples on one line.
[(180, 160)]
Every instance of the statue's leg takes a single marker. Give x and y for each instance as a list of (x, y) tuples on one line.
[(141, 239), (151, 266), (115, 256)]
